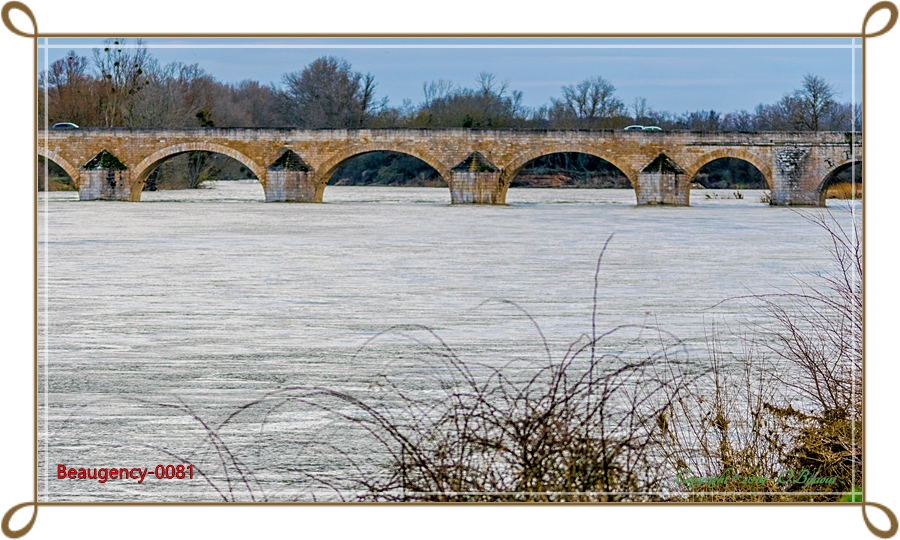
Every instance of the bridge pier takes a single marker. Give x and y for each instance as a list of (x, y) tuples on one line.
[(663, 182), (794, 179), (293, 186), (290, 179), (476, 181), (105, 178)]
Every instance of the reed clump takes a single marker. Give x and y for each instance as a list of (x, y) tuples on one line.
[(788, 426), (845, 190)]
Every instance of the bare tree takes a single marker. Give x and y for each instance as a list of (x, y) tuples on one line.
[(248, 104), (69, 85), (122, 76), (172, 96), (488, 105), (700, 121), (639, 106), (437, 90), (740, 121), (200, 167), (592, 102), (814, 103), (777, 116), (327, 94)]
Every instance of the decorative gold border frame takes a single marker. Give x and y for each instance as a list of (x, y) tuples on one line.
[(34, 35)]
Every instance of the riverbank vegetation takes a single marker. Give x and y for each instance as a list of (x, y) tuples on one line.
[(791, 416), (845, 190), (52, 177)]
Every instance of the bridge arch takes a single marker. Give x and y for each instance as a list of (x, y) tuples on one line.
[(143, 169), (517, 163), (735, 153), (328, 168), (62, 162), (829, 180)]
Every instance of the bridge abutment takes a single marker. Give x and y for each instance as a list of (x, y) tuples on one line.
[(476, 181)]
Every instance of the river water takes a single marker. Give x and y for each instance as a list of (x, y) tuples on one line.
[(159, 317)]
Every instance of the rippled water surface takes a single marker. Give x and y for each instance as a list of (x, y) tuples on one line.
[(208, 299)]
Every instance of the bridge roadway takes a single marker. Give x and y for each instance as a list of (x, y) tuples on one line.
[(478, 165)]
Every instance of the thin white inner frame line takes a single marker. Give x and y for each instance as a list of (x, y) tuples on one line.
[(524, 493), (855, 235), (46, 282), (435, 46)]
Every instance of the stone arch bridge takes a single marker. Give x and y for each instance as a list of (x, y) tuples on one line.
[(478, 165)]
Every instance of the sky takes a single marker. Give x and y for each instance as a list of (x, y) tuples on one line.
[(674, 75)]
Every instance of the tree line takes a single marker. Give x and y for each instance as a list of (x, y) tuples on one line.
[(123, 85)]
